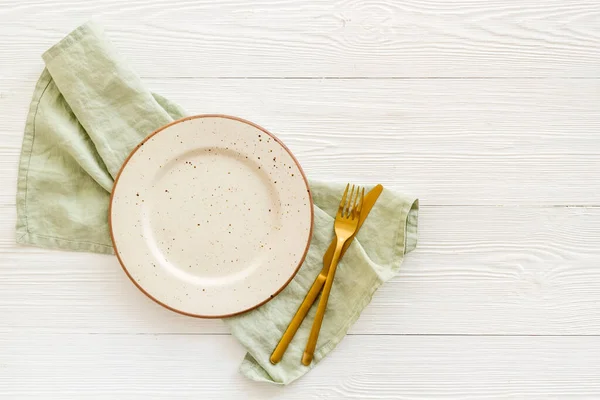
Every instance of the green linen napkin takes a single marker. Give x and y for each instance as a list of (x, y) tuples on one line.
[(90, 109)]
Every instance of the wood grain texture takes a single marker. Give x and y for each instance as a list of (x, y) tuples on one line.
[(480, 270), (320, 38), (533, 142), (375, 367), (500, 300)]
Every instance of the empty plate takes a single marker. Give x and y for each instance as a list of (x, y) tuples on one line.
[(211, 216)]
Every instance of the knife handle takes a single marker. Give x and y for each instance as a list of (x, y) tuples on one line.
[(311, 344), (295, 323)]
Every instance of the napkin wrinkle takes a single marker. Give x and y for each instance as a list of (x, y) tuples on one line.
[(88, 112)]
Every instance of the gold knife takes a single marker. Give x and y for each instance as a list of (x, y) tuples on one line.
[(311, 296)]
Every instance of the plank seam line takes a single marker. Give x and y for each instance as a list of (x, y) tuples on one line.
[(349, 334), (407, 78)]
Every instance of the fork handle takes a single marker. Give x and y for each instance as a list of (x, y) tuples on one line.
[(309, 351), (295, 323)]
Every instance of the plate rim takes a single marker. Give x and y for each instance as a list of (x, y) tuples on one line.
[(177, 121)]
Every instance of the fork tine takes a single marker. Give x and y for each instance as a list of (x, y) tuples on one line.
[(362, 199), (343, 202), (355, 205), (348, 207)]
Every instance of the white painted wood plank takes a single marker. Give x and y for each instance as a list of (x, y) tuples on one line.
[(477, 270), (74, 327), (319, 38), (451, 142), (204, 367)]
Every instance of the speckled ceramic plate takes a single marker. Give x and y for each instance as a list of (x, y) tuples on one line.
[(211, 216)]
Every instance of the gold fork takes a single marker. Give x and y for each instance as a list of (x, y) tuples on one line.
[(346, 223), (317, 287)]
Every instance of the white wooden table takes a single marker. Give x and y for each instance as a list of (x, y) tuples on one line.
[(489, 112)]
